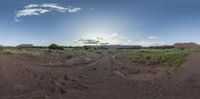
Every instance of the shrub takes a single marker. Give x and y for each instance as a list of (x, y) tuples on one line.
[(55, 46), (1, 48), (69, 56), (7, 52)]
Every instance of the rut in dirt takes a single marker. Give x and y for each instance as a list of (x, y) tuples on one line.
[(98, 76), (191, 75)]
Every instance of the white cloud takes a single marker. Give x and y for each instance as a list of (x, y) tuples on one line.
[(89, 41), (74, 9), (103, 39), (152, 37), (94, 41), (54, 7), (39, 9), (115, 39), (115, 34), (16, 20), (31, 12), (31, 6)]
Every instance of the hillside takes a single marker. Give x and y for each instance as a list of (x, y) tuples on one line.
[(186, 45)]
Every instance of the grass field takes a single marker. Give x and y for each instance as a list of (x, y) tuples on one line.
[(171, 58), (41, 52)]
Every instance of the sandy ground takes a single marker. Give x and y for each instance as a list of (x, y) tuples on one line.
[(96, 76)]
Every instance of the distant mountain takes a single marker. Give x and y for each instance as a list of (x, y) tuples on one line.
[(25, 46), (186, 45)]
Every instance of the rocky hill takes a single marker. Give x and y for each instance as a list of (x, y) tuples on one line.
[(186, 45)]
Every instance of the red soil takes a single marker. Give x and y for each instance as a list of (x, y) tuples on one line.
[(98, 76)]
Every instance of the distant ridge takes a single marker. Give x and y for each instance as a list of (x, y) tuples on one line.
[(186, 45)]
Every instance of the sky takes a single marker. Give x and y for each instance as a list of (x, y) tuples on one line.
[(99, 22)]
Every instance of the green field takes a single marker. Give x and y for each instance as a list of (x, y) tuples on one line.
[(172, 58)]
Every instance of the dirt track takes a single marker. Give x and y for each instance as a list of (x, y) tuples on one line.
[(99, 76)]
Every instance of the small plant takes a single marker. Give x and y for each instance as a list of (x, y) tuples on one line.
[(98, 52), (55, 46), (68, 56), (7, 53), (36, 56), (182, 48), (1, 47), (86, 48)]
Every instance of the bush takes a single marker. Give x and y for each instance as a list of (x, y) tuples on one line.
[(1, 48), (55, 46), (69, 56)]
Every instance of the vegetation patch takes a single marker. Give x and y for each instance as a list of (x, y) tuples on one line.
[(171, 58)]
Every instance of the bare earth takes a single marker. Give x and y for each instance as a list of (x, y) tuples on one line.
[(96, 76)]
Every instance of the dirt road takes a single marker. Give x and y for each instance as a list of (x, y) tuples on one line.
[(191, 76), (96, 76)]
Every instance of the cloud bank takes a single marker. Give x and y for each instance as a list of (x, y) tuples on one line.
[(115, 39), (152, 37), (95, 41), (39, 9), (109, 39), (89, 41)]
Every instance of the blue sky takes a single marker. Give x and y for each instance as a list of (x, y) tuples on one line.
[(79, 22)]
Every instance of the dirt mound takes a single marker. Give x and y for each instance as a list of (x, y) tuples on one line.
[(95, 76), (186, 45)]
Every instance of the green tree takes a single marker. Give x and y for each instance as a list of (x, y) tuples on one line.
[(55, 46)]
